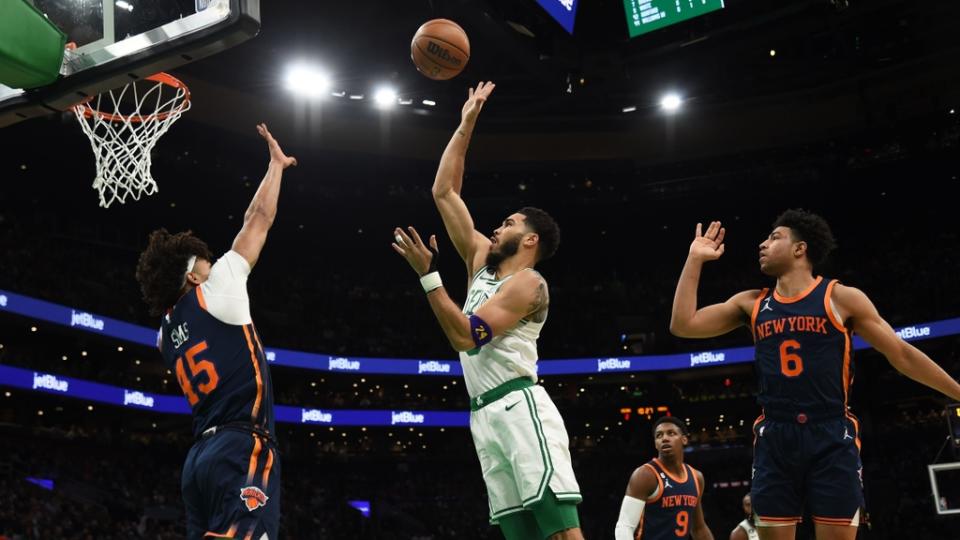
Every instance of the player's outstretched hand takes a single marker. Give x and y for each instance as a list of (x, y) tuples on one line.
[(475, 100), (709, 245), (276, 153), (422, 258)]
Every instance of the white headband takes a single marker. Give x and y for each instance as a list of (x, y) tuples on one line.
[(190, 262)]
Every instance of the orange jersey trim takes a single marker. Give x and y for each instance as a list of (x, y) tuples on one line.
[(256, 369), (845, 522), (759, 419), (847, 381), (659, 483), (267, 467), (856, 428), (672, 477), (828, 307), (756, 310), (696, 481), (254, 457), (200, 298), (780, 519), (799, 297)]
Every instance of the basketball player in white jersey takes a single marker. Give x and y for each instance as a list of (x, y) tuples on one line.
[(519, 435), (745, 530)]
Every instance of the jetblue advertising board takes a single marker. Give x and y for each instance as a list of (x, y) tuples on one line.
[(112, 395), (98, 324), (563, 11)]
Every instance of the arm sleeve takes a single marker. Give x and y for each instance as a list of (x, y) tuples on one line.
[(630, 512), (225, 290)]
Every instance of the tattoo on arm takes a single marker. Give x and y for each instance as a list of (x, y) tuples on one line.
[(538, 307)]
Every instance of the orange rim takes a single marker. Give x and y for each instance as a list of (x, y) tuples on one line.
[(162, 78)]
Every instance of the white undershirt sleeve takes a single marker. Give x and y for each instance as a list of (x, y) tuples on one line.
[(225, 290), (630, 511)]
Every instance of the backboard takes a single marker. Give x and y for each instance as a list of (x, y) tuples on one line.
[(122, 40)]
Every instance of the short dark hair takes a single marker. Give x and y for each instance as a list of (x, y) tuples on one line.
[(546, 228), (810, 228), (163, 264), (670, 420)]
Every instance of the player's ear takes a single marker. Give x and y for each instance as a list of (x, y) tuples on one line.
[(800, 248), (193, 278), (531, 239), (684, 439)]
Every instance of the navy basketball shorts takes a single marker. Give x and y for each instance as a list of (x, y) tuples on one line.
[(231, 487), (812, 465)]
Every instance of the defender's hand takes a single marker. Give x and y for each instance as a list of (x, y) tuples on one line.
[(422, 259), (276, 153), (708, 246), (475, 101)]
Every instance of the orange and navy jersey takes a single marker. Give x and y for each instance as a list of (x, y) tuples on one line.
[(222, 368), (803, 353), (669, 514)]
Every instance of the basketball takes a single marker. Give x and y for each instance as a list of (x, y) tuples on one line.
[(440, 49)]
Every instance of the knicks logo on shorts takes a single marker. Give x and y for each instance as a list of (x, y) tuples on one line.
[(253, 497)]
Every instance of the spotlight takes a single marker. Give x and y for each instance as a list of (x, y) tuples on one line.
[(385, 97), (429, 102), (773, 52), (670, 102), (629, 109), (307, 81)]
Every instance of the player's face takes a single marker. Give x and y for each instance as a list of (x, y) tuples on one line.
[(747, 506), (777, 252), (506, 239), (669, 440)]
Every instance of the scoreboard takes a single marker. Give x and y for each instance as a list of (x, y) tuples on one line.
[(645, 16)]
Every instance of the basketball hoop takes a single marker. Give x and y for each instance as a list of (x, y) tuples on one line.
[(123, 126)]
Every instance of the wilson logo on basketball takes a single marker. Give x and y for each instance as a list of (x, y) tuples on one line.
[(253, 497), (444, 54)]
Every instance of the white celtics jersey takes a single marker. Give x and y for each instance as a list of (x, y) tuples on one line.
[(750, 530), (508, 356)]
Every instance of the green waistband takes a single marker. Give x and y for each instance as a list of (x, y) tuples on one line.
[(490, 396)]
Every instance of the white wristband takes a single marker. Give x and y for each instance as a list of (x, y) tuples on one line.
[(431, 282)]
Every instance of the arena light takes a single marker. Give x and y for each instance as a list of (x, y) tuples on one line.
[(385, 97), (307, 81), (629, 109), (670, 102), (429, 102)]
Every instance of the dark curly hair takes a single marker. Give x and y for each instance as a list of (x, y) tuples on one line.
[(810, 228), (546, 228), (162, 265), (681, 425)]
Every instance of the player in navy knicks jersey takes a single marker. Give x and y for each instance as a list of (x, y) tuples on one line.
[(807, 442), (231, 477), (663, 499)]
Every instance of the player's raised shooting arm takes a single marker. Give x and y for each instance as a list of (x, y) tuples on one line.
[(688, 321), (699, 529), (714, 320), (862, 317), (448, 184), (259, 216), (641, 486)]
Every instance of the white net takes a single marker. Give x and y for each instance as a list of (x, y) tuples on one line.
[(123, 140)]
